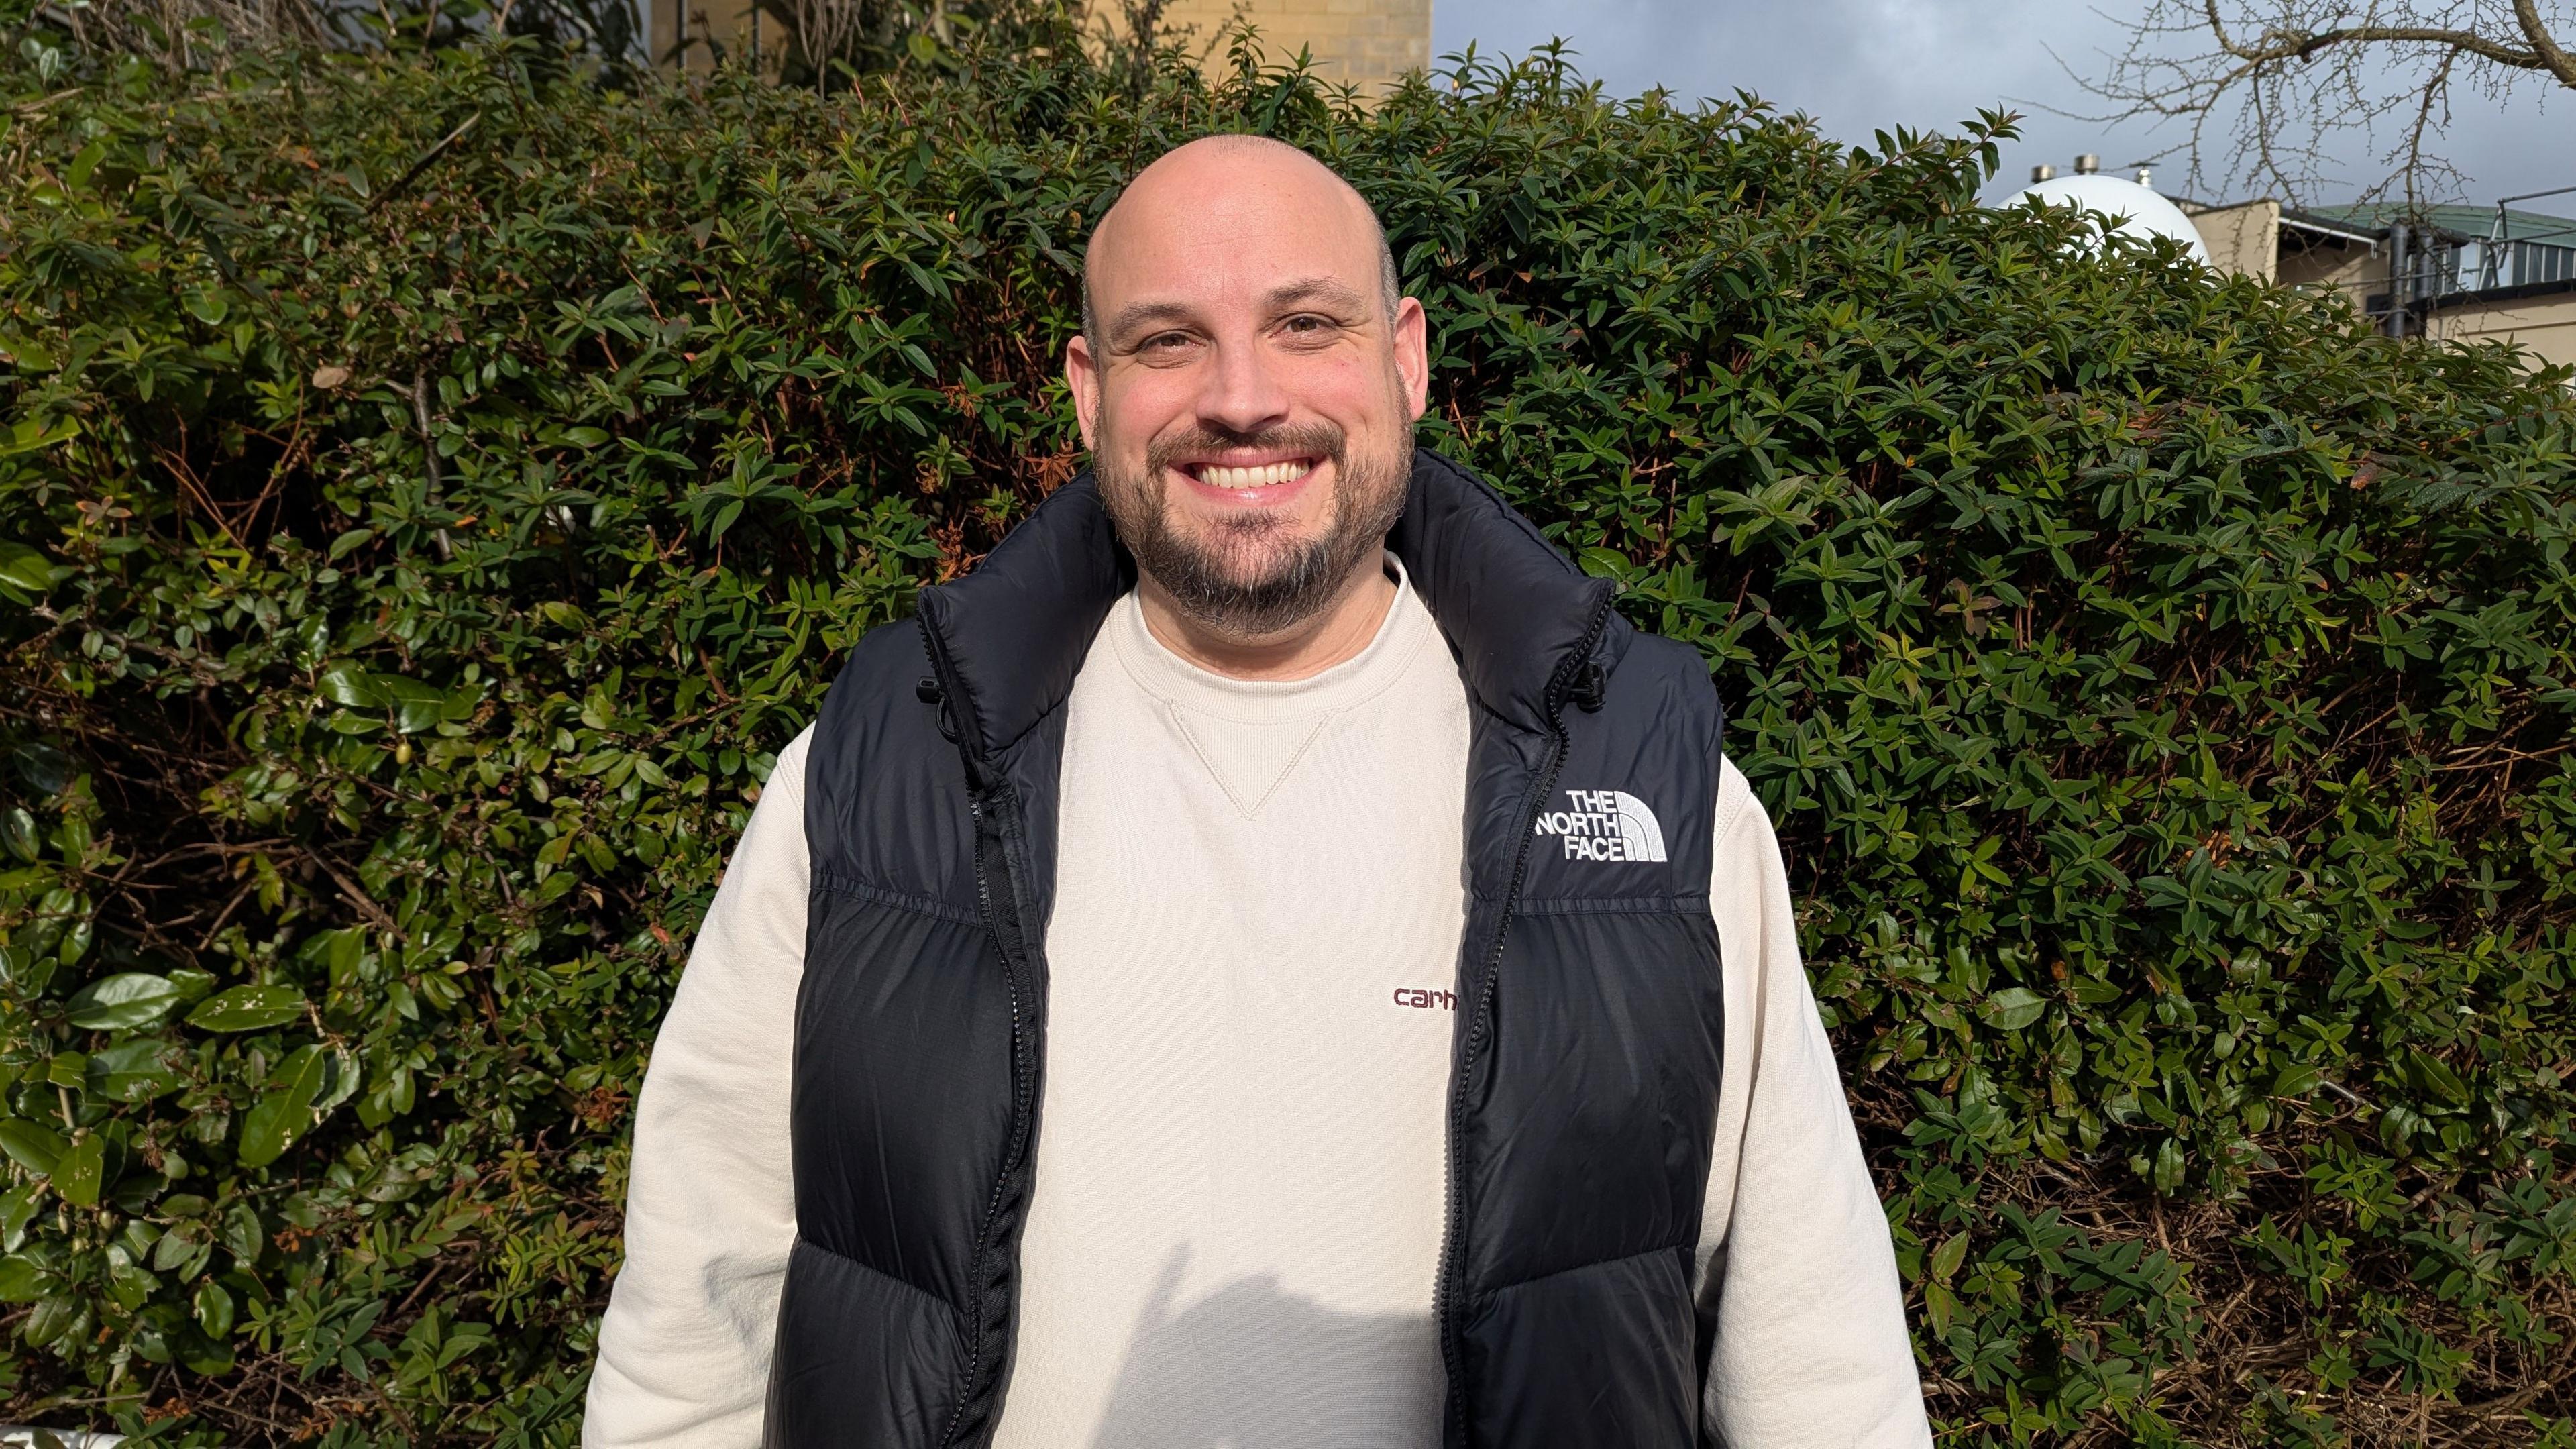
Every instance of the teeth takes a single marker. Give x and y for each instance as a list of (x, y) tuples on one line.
[(1217, 476)]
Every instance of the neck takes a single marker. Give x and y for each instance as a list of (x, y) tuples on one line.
[(1334, 633)]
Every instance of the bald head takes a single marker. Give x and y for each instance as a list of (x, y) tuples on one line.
[(1247, 378), (1222, 174)]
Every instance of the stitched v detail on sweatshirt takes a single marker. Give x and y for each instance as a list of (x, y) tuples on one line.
[(1248, 758)]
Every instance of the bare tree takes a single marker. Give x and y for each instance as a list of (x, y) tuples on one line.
[(2262, 87), (826, 31), (193, 34), (175, 31)]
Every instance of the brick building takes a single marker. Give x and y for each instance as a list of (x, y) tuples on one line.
[(2459, 273), (2454, 273), (1367, 43)]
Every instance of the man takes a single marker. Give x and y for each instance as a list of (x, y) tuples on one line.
[(1269, 959)]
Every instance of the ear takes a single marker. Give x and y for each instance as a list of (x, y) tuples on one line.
[(1082, 379), (1413, 355)]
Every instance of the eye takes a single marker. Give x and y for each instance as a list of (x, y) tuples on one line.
[(1167, 349), (1306, 324)]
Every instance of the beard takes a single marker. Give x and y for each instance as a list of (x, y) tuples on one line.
[(1253, 577)]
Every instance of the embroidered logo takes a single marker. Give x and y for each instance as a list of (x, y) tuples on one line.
[(1605, 825)]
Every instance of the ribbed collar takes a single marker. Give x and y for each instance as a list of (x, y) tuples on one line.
[(1008, 638)]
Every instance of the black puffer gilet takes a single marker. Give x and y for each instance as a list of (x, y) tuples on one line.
[(1584, 1080)]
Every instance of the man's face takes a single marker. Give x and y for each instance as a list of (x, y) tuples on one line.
[(1250, 403)]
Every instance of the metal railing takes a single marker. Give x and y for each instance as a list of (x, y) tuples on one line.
[(2506, 260), (2426, 264)]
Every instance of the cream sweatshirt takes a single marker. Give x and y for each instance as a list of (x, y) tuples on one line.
[(1237, 1209)]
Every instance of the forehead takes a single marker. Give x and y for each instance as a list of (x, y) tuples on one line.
[(1224, 227)]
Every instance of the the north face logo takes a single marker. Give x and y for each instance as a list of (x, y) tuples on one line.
[(1605, 825)]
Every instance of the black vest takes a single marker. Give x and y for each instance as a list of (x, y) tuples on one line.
[(1584, 1079)]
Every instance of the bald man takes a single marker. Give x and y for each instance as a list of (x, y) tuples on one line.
[(1270, 958)]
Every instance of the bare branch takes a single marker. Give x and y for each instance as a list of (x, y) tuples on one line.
[(2434, 91), (2294, 45), (2267, 92), (2526, 13)]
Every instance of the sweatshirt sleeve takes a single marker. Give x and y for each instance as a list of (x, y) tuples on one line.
[(710, 1203), (1798, 1270)]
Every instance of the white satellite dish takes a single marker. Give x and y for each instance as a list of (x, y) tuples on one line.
[(2144, 213)]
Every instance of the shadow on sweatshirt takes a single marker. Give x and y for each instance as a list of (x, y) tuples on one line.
[(1253, 1367)]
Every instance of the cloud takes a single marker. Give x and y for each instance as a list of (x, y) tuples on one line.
[(1859, 66)]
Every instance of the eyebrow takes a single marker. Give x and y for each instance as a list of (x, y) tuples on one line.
[(1136, 316), (1315, 289)]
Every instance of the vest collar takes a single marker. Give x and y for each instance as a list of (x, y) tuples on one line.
[(1009, 637)]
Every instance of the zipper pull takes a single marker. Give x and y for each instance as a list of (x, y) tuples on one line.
[(929, 692), (1590, 685)]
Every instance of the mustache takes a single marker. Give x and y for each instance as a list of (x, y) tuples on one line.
[(1322, 440)]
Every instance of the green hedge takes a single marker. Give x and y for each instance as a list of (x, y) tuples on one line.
[(434, 490)]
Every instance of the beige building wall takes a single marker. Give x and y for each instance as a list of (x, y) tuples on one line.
[(1367, 43), (2356, 269), (731, 28), (2546, 325), (2243, 240)]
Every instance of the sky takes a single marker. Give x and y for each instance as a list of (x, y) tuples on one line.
[(1861, 65)]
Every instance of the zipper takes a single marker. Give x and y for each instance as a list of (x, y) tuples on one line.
[(1560, 687), (977, 792)]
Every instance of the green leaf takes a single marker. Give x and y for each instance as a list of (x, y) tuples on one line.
[(27, 569), (18, 832), (2013, 1008), (76, 175), (77, 1174), (2433, 1078), (342, 951), (17, 1209), (2296, 1080), (214, 1309), (32, 1146), (242, 1234), (285, 1110), (2169, 1166), (25, 354), (350, 686), (248, 1008), (343, 1076), (31, 435), (54, 1316), (1606, 563), (135, 1071), (128, 999), (20, 1281)]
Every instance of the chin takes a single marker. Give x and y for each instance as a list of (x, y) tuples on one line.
[(1250, 555)]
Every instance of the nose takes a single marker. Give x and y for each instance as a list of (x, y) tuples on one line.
[(1241, 393)]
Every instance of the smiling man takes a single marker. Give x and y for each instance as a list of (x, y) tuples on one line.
[(1268, 958)]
